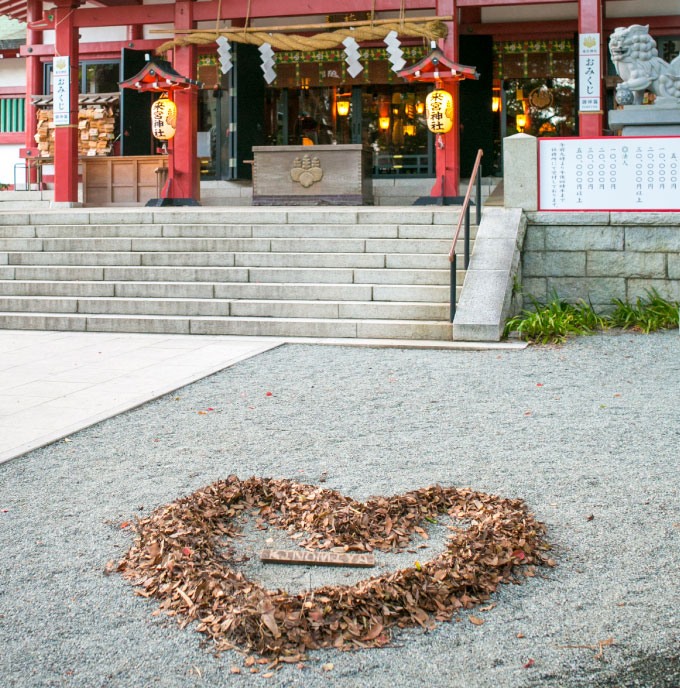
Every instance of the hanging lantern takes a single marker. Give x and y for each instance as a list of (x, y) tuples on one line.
[(163, 118), (343, 108), (495, 104), (521, 122), (384, 123), (420, 107), (439, 111)]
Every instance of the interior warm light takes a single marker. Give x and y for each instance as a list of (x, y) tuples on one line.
[(521, 122), (409, 129), (163, 118), (343, 108), (496, 104), (420, 108), (384, 122)]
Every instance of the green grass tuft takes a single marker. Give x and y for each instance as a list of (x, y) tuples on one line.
[(554, 321), (657, 314)]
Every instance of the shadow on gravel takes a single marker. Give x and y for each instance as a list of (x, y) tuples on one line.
[(648, 671)]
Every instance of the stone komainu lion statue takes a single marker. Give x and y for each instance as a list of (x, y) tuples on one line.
[(637, 62)]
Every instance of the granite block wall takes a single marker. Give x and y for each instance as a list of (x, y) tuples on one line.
[(599, 256)]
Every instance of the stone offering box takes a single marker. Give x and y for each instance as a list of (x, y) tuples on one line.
[(312, 175)]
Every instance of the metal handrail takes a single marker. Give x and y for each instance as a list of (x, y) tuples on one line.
[(465, 215)]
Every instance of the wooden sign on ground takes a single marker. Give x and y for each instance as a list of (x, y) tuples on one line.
[(283, 556)]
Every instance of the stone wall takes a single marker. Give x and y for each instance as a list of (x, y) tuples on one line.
[(599, 256)]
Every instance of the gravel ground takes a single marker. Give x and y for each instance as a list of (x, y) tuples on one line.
[(587, 429)]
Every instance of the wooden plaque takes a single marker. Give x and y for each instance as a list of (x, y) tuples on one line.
[(284, 556)]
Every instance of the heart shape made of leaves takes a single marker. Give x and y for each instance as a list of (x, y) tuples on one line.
[(181, 557)]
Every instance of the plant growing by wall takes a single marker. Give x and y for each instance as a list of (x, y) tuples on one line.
[(555, 320)]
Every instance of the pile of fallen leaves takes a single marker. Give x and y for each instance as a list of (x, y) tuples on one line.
[(183, 556)]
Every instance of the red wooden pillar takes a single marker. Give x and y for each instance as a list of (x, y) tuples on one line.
[(66, 136), (448, 157), (590, 21), (185, 179), (34, 80)]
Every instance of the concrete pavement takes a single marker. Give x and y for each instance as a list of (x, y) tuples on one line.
[(54, 383)]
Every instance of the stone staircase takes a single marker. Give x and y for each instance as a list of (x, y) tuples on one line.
[(302, 272)]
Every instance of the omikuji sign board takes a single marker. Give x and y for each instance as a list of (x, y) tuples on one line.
[(609, 173), (589, 72), (61, 90)]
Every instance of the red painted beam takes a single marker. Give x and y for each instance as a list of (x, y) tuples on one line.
[(129, 14), (12, 90), (517, 31), (205, 11), (503, 3), (96, 48), (12, 7), (13, 137)]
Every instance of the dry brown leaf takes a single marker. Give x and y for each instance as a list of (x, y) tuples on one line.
[(476, 620), (235, 670), (374, 632), (235, 612), (270, 623)]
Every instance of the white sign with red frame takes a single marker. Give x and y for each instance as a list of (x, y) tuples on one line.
[(609, 173)]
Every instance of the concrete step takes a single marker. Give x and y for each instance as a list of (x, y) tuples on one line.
[(242, 326), (243, 245), (242, 215), (225, 274), (219, 259), (140, 231), (225, 307), (229, 290)]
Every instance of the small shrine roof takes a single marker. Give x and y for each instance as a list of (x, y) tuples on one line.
[(437, 67), (158, 75)]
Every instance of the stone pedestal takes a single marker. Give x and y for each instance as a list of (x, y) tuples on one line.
[(660, 119), (520, 171)]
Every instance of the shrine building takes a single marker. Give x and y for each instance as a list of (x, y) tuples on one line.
[(308, 90)]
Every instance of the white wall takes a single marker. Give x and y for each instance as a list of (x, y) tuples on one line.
[(569, 10), (93, 34), (643, 8), (9, 154), (13, 72)]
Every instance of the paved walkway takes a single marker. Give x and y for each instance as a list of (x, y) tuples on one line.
[(55, 383)]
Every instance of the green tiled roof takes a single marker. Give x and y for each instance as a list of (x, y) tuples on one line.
[(12, 29)]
